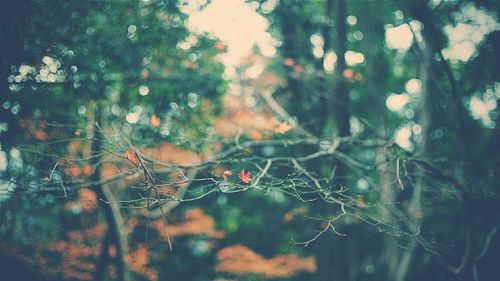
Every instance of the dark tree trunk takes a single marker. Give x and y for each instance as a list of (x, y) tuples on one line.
[(340, 102), (333, 250), (116, 229)]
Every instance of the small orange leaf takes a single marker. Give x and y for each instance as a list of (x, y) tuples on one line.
[(288, 216), (144, 74), (155, 121), (226, 174), (131, 157), (298, 68), (220, 46), (283, 127), (289, 62), (245, 177), (348, 73)]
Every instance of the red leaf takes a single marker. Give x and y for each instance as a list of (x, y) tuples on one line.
[(131, 157), (245, 177)]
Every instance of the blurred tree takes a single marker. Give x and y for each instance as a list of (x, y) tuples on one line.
[(382, 138), (98, 63), (384, 71)]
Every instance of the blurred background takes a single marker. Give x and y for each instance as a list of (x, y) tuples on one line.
[(230, 140)]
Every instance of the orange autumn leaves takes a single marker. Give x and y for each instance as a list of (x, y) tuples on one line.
[(79, 253), (256, 123), (292, 64), (155, 121), (132, 157), (245, 177), (226, 174), (195, 222), (241, 260)]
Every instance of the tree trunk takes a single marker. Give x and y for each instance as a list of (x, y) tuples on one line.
[(339, 104), (103, 259), (425, 119), (333, 251), (116, 229), (434, 44), (325, 32)]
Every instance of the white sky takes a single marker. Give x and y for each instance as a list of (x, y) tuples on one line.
[(235, 23)]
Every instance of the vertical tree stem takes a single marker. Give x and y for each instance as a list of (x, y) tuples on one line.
[(107, 200)]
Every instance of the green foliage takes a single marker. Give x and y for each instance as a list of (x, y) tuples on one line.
[(156, 82), (124, 54)]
